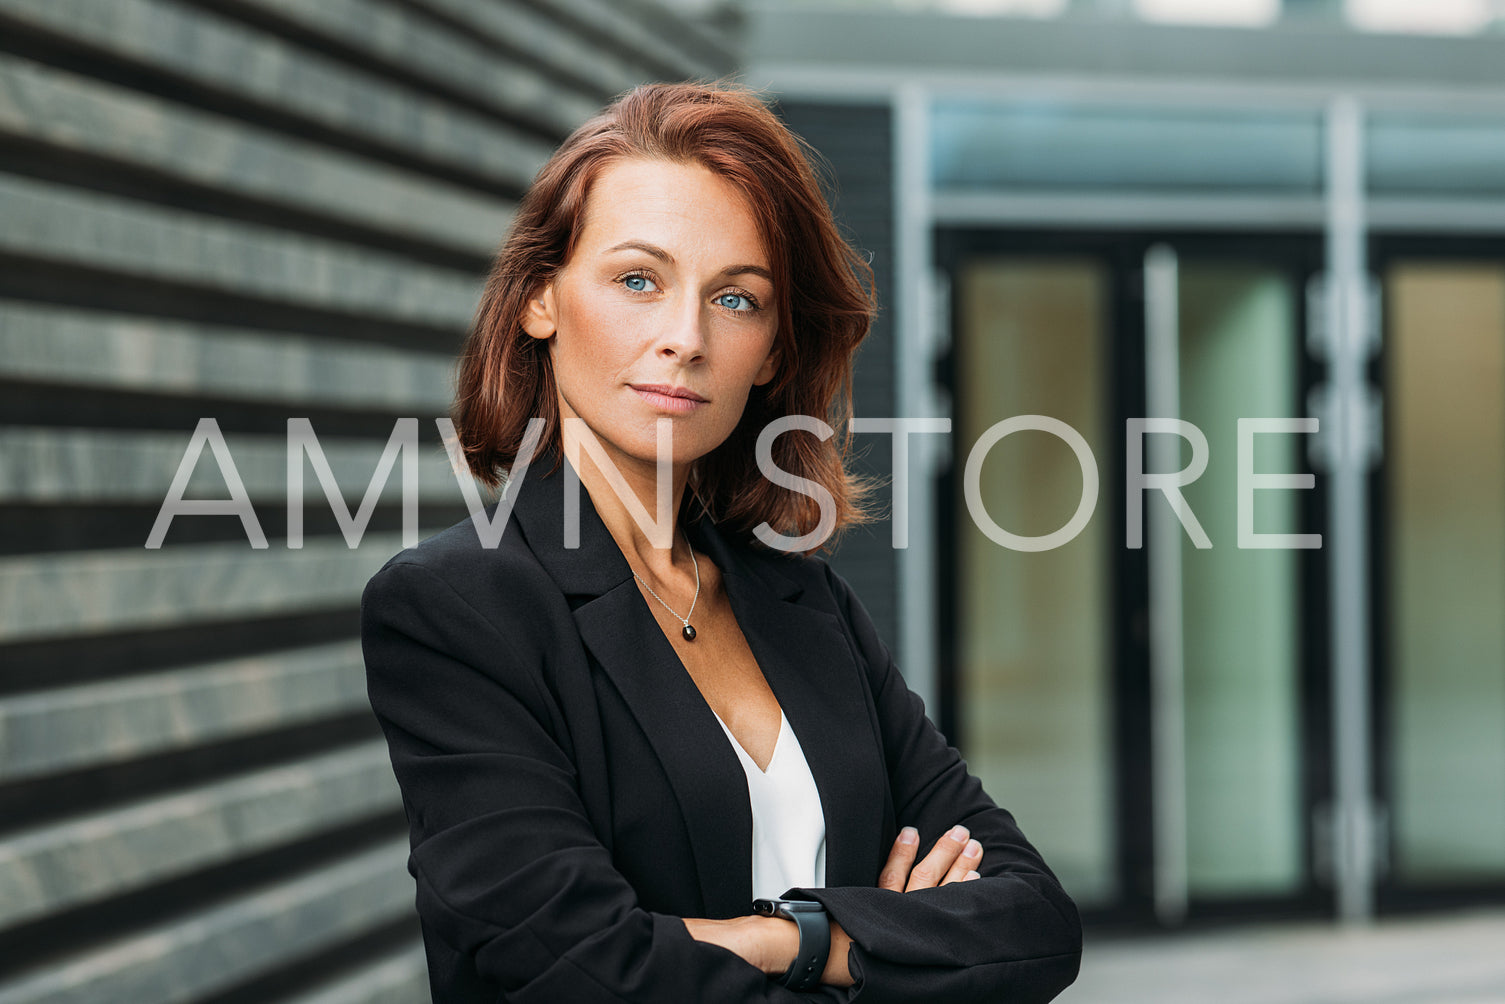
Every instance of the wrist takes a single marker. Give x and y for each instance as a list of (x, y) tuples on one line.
[(838, 973), (779, 938), (813, 930)]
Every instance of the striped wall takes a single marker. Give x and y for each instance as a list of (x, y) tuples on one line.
[(250, 210)]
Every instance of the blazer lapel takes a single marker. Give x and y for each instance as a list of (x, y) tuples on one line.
[(803, 654), (809, 666), (620, 632)]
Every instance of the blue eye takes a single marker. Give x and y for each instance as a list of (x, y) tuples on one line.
[(751, 304), (636, 278)]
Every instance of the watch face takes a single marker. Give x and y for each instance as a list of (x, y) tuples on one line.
[(773, 907), (803, 906)]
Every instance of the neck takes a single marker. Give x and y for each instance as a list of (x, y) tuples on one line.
[(614, 496)]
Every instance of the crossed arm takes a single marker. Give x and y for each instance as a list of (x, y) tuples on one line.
[(550, 918), (771, 943)]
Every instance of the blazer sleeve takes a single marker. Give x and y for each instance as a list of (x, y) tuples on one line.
[(1013, 934), (508, 867)]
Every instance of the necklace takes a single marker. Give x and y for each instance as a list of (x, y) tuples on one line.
[(687, 630)]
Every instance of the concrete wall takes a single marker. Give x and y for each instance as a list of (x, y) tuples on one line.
[(250, 210)]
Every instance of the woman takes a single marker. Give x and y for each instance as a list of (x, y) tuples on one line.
[(618, 725)]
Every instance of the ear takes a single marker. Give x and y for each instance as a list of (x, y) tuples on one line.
[(539, 313), (769, 368)]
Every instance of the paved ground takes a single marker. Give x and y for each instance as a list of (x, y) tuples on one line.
[(1456, 958)]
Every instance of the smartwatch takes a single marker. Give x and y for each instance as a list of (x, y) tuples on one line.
[(815, 939)]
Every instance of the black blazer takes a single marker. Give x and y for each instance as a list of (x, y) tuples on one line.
[(570, 795)]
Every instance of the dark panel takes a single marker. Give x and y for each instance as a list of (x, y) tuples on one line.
[(857, 142)]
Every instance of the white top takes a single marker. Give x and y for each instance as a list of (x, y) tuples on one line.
[(789, 826)]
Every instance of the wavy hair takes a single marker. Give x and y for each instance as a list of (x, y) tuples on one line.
[(824, 287)]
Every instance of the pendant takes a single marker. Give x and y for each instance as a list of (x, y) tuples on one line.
[(688, 632)]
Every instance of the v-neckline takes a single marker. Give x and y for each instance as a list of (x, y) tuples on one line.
[(778, 742)]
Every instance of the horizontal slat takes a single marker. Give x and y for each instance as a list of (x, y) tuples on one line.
[(52, 868), (195, 955), (85, 228), (691, 29), (41, 465), (401, 979), (632, 25), (217, 53), (58, 345), (417, 44), (128, 588), (71, 728), (74, 113), (521, 28)]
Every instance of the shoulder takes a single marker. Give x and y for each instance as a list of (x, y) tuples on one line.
[(820, 585), (780, 568), (811, 571), (450, 609), (501, 584)]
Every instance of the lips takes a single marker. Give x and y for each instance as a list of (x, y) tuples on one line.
[(667, 390)]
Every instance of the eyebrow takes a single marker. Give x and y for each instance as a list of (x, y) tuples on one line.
[(668, 259)]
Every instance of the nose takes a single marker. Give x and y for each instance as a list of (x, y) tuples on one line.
[(684, 337)]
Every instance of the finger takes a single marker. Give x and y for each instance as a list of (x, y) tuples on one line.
[(929, 872), (971, 876), (900, 860), (966, 861)]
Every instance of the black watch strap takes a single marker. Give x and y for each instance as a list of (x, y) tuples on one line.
[(805, 971)]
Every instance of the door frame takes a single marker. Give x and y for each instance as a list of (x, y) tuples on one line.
[(1301, 254)]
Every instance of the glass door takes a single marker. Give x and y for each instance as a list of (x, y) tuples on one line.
[(1033, 630), (1225, 642), (1145, 706), (1441, 650)]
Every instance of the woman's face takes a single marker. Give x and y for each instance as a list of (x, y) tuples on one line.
[(669, 289)]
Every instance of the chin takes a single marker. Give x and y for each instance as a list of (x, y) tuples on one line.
[(691, 442)]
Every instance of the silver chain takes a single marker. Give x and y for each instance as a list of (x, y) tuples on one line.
[(685, 620)]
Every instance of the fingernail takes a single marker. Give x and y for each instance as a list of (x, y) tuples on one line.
[(972, 875), (909, 835), (973, 849), (958, 833)]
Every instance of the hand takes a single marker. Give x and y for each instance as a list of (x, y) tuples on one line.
[(954, 858)]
